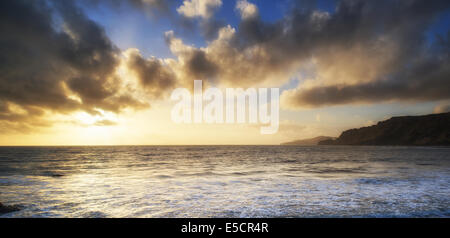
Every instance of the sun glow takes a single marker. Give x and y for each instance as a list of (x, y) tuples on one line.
[(101, 119), (85, 118)]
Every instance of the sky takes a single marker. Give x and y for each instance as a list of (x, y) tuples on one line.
[(101, 72)]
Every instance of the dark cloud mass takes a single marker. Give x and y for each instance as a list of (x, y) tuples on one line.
[(53, 58), (199, 66), (364, 51), (392, 32), (154, 76), (43, 63), (426, 78)]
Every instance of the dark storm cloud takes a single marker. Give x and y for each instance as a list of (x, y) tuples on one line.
[(42, 62)]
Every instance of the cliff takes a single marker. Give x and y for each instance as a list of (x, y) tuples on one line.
[(409, 130), (312, 141)]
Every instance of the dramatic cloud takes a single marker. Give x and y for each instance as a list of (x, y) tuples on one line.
[(424, 79), (54, 59), (156, 77), (222, 62), (191, 63), (364, 51), (56, 68), (374, 53)]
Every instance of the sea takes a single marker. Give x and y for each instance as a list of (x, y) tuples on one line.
[(225, 181)]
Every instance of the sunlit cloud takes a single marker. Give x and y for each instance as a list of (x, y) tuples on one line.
[(199, 8), (60, 66)]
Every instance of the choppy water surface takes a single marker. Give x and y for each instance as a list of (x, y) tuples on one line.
[(226, 181)]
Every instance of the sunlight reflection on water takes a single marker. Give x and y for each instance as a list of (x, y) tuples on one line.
[(226, 181)]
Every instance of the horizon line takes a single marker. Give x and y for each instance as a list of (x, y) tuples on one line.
[(139, 145)]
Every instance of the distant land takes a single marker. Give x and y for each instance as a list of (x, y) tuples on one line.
[(429, 130), (311, 141)]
